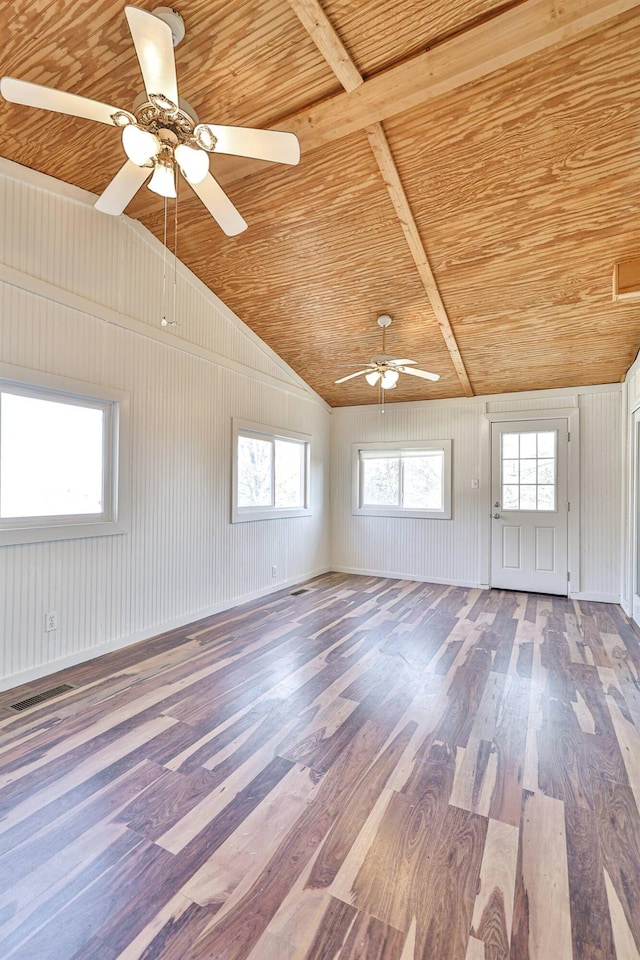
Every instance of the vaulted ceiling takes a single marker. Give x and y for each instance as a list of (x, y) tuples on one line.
[(471, 168)]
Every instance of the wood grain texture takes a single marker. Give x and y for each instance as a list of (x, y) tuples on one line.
[(511, 127), (369, 776)]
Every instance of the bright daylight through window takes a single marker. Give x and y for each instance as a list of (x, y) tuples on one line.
[(403, 480), (58, 464), (271, 470)]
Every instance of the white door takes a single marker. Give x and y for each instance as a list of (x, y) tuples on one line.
[(529, 505)]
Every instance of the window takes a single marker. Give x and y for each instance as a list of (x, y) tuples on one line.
[(403, 479), (58, 460), (528, 468), (270, 472)]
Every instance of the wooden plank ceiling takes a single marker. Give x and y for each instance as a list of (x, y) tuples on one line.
[(471, 168)]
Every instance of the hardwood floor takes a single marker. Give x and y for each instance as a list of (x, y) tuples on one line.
[(371, 770)]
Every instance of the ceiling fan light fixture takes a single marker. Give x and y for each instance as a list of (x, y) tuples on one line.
[(163, 180), (389, 379), (140, 145), (373, 377), (193, 163)]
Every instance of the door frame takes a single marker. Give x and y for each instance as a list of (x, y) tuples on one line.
[(572, 416)]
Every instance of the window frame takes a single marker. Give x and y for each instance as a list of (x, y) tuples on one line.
[(19, 381), (370, 510), (262, 431)]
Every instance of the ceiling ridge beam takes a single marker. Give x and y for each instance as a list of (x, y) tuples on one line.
[(517, 33), (321, 31), (384, 158)]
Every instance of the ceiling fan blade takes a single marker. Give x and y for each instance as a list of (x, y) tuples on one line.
[(352, 375), (47, 98), (423, 374), (122, 188), (154, 48), (274, 145), (403, 363), (219, 206)]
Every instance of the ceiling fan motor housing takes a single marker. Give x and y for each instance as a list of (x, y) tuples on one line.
[(173, 20)]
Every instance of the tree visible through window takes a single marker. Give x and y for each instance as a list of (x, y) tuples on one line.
[(394, 481), (271, 474)]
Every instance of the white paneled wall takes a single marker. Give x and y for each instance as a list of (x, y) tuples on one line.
[(181, 557), (457, 550)]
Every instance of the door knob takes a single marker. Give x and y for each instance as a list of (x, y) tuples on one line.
[(496, 516)]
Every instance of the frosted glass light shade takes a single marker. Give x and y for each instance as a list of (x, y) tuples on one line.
[(194, 163), (139, 145), (372, 378), (163, 181), (389, 379)]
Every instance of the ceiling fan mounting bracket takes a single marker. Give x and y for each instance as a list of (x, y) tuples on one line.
[(384, 320), (173, 20)]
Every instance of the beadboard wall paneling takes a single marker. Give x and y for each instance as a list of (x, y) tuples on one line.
[(181, 557), (456, 550), (61, 240)]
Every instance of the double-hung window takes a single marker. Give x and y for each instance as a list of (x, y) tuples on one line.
[(270, 472), (403, 479), (59, 459)]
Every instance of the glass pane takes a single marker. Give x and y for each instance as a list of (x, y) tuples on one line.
[(527, 445), (528, 471), (547, 444), (546, 471), (381, 482), (510, 497), (254, 472), (528, 482), (510, 445), (289, 473), (546, 498), (510, 471), (51, 460), (423, 483)]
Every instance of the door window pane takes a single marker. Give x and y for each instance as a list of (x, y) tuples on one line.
[(528, 464)]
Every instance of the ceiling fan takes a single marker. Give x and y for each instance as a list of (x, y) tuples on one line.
[(384, 369), (162, 133)]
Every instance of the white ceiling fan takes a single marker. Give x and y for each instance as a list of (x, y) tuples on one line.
[(161, 134), (384, 370)]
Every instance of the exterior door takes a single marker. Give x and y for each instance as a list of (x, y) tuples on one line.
[(529, 525)]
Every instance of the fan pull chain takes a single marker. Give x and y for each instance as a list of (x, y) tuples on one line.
[(175, 257), (163, 322)]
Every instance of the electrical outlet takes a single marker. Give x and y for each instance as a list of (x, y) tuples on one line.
[(50, 621), (274, 571)]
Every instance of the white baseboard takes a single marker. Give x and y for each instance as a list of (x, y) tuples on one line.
[(91, 653), (409, 576), (595, 597)]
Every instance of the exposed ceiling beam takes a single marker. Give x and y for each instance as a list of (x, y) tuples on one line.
[(319, 28), (328, 42), (382, 153), (519, 32)]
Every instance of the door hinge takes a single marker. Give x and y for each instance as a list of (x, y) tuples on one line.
[(568, 577), (568, 506), (569, 436)]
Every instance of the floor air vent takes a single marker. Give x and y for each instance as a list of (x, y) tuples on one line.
[(296, 593), (41, 697)]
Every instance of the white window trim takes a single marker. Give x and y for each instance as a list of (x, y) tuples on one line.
[(388, 511), (114, 520), (244, 514)]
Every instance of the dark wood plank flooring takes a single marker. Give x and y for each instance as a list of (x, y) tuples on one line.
[(371, 770)]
